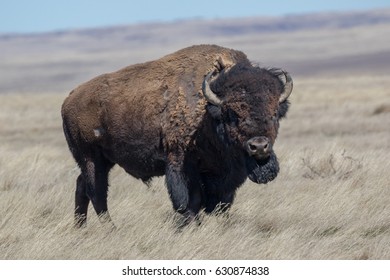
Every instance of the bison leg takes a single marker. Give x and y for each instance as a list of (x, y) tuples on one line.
[(92, 185), (184, 188), (82, 201), (177, 188), (218, 203)]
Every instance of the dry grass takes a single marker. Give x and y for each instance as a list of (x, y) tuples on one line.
[(330, 201)]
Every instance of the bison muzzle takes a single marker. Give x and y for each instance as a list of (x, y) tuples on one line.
[(204, 116)]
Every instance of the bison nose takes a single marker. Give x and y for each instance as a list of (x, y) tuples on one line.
[(259, 147)]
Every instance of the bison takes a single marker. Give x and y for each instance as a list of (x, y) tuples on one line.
[(204, 116)]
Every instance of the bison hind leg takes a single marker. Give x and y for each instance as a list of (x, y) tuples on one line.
[(92, 185), (81, 202)]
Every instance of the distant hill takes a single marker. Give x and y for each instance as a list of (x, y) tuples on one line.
[(307, 45)]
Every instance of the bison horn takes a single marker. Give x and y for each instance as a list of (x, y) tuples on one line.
[(208, 93), (288, 87)]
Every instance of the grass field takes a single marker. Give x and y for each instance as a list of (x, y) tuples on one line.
[(331, 199)]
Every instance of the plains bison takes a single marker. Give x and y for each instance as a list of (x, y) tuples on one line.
[(204, 116)]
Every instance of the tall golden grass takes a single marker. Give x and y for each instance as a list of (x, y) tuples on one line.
[(331, 199)]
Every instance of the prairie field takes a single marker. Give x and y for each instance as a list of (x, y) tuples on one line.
[(331, 199)]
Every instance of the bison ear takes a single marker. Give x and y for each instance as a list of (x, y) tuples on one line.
[(214, 111), (283, 108)]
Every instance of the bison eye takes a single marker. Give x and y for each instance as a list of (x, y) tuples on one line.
[(243, 107), (275, 117)]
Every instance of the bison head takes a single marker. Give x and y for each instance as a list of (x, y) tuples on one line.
[(246, 104)]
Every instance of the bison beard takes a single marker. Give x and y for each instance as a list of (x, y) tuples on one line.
[(262, 171)]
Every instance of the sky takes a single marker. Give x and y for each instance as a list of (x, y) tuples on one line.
[(26, 16)]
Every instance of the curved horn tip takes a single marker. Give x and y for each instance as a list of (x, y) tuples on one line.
[(208, 93), (288, 87)]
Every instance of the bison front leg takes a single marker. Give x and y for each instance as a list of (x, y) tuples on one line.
[(218, 202), (183, 191), (177, 187)]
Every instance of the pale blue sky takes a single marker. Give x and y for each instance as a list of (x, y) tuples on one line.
[(22, 16)]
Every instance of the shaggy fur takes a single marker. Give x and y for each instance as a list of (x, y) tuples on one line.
[(152, 120)]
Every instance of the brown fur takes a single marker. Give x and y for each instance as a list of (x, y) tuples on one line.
[(170, 85)]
